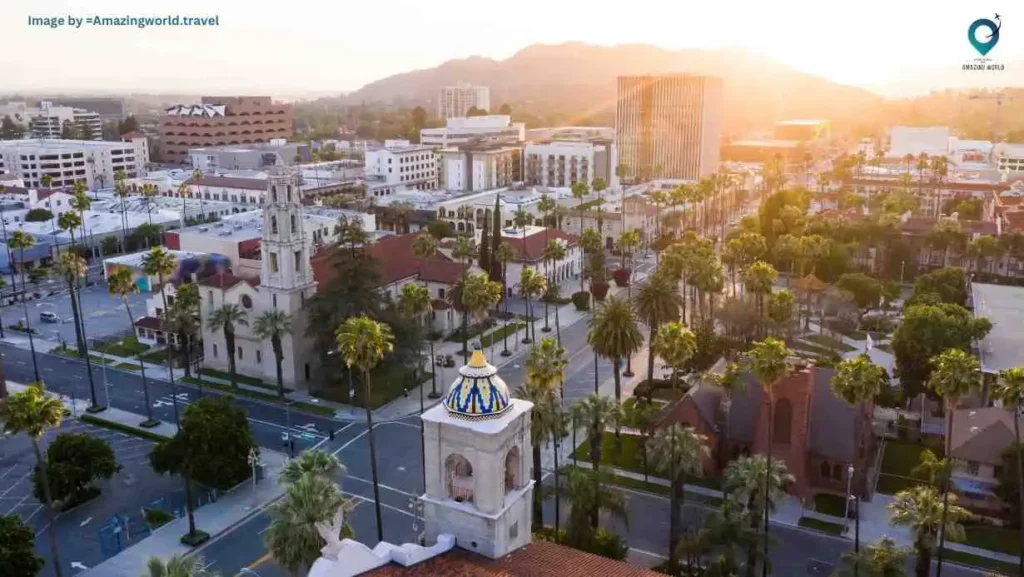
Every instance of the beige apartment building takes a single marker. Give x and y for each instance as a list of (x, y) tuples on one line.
[(221, 121), (668, 126)]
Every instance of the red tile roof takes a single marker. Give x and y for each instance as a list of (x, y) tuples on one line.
[(397, 261), (538, 559), (226, 280), (151, 323), (946, 185), (923, 224), (531, 248), (229, 182), (1014, 221)]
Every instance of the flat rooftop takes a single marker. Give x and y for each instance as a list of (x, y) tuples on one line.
[(1003, 348), (135, 259), (249, 225), (56, 144)]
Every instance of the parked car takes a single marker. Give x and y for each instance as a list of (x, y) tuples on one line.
[(49, 317)]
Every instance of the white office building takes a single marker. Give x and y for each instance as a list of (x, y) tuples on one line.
[(492, 129), (562, 164), (472, 169), (48, 120), (68, 161), (455, 101), (1008, 157), (399, 165)]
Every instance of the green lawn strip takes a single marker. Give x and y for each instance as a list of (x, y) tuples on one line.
[(497, 336), (856, 335), (127, 347), (978, 561), (892, 484), (127, 366), (120, 427), (828, 504), (252, 381), (811, 349), (631, 458), (270, 398), (901, 457), (829, 342), (73, 354), (993, 538), (155, 357), (819, 525)]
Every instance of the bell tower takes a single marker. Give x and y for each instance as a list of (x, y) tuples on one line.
[(286, 278), (478, 486)]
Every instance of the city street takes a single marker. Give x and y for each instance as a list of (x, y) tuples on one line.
[(105, 316)]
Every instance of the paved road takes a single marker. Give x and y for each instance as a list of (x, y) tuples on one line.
[(104, 315)]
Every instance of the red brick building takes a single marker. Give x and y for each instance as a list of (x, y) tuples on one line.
[(221, 121), (813, 430)]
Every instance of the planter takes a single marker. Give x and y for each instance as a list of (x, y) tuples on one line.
[(581, 300), (599, 289), (621, 277)]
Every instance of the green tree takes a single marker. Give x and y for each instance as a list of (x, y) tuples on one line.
[(11, 130), (33, 413), (758, 280), (69, 268), (580, 190), (678, 452), (589, 495), (160, 263), (615, 336), (657, 301), (641, 414), (780, 311), (555, 252), (226, 318), (415, 302), (477, 294), (292, 536), (926, 331), (866, 291), (1010, 390), (542, 419), (38, 215), (18, 555), (931, 469), (440, 229), (596, 412), (756, 487), (363, 342), (675, 344), (184, 320), (73, 462), (881, 559), (948, 284), (121, 283), (179, 566), (272, 326), (858, 381), (532, 285), (312, 462), (921, 509)]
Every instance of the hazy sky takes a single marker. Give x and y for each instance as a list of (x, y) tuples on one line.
[(286, 47)]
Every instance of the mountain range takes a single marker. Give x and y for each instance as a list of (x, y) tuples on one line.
[(579, 79)]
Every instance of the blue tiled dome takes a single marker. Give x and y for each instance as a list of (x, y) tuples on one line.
[(478, 392)]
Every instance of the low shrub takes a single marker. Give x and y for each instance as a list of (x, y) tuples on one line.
[(599, 289), (877, 324), (581, 300), (621, 277), (158, 518)]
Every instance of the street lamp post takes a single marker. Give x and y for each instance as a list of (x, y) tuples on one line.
[(856, 534), (849, 496), (415, 505), (254, 461)]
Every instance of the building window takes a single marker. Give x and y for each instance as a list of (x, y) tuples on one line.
[(459, 478), (294, 226), (240, 356), (259, 357), (209, 297), (214, 351), (307, 371), (783, 421), (972, 468), (273, 262), (273, 225), (298, 261), (274, 300)]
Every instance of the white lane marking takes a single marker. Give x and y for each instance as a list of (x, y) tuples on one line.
[(360, 435), (381, 485), (32, 514), (84, 523), (383, 505), (15, 484)]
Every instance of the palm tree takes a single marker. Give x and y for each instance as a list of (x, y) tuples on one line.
[(614, 335), (769, 364), (678, 452), (227, 318), (292, 536), (179, 566), (69, 268), (541, 426), (19, 241), (504, 253), (363, 342), (588, 494), (657, 301), (314, 462), (881, 559), (121, 191), (756, 484), (758, 280), (161, 264), (33, 413), (928, 517), (183, 319), (531, 285), (272, 325), (675, 344), (555, 252), (955, 374), (476, 294), (640, 414), (121, 283), (580, 190), (596, 412), (1010, 390), (857, 381)]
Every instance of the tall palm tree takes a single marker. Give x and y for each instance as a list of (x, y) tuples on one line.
[(19, 241), (184, 319), (614, 336), (928, 517), (1010, 390), (768, 361), (955, 374), (675, 344), (857, 381), (758, 280), (546, 364), (757, 485), (273, 325), (414, 302), (476, 294), (179, 566), (589, 494), (292, 536), (881, 559), (677, 452), (531, 285), (121, 191), (580, 190), (541, 426), (641, 414), (314, 462), (121, 283), (555, 252), (657, 301), (545, 206), (503, 254), (69, 268), (69, 221), (227, 318), (33, 413), (363, 342), (424, 247)]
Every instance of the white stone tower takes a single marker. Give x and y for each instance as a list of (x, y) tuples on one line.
[(286, 279), (478, 487)]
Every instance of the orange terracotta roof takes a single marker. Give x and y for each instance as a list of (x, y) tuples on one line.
[(538, 559), (531, 248), (226, 280), (811, 283)]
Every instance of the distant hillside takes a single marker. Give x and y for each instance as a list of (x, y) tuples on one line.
[(580, 79)]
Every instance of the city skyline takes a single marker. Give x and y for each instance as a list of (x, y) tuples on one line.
[(875, 45)]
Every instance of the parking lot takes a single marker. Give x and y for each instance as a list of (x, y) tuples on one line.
[(82, 543), (105, 316)]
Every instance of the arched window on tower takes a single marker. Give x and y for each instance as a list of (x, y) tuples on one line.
[(289, 193), (512, 464), (294, 226), (458, 474), (273, 224), (783, 421), (273, 194)]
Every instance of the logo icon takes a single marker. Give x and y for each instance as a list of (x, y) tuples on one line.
[(984, 46)]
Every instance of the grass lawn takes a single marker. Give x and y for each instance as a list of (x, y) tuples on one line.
[(658, 489), (828, 504), (268, 397), (811, 349), (901, 457), (823, 526), (976, 561), (127, 347), (993, 538), (857, 335), (253, 381), (127, 366), (631, 458), (891, 484), (155, 357), (496, 336), (387, 383), (829, 342), (72, 353)]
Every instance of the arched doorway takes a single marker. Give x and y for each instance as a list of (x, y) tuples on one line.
[(459, 477)]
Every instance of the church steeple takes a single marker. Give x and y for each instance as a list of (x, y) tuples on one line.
[(285, 252)]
